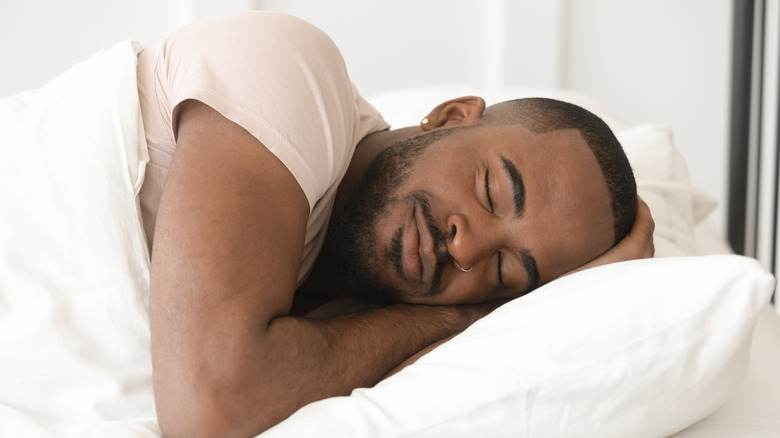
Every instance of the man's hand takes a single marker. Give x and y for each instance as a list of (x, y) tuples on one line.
[(638, 244)]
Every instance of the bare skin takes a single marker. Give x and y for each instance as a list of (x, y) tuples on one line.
[(228, 359)]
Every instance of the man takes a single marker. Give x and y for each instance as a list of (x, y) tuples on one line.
[(265, 137)]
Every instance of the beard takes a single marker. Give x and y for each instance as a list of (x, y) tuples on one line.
[(351, 240)]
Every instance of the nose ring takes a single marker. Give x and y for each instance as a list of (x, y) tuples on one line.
[(461, 267)]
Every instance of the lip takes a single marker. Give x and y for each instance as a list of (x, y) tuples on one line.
[(426, 247), (410, 253)]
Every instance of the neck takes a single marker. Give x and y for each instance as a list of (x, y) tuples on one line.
[(365, 152)]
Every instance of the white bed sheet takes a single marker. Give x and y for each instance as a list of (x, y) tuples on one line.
[(754, 409), (74, 267)]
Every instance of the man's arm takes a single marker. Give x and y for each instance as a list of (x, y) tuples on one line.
[(228, 246)]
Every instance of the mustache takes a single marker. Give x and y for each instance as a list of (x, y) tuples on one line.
[(440, 239)]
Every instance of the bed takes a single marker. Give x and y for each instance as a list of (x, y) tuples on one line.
[(685, 344)]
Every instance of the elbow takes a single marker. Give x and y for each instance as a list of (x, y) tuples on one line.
[(206, 417), (196, 398), (206, 426), (186, 419)]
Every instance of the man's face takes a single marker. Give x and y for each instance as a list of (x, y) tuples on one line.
[(514, 208)]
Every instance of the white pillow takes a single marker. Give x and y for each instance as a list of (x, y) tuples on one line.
[(74, 266), (640, 349), (663, 182)]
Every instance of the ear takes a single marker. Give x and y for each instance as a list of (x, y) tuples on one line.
[(463, 111)]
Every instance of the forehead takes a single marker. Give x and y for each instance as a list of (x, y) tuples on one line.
[(547, 144), (516, 137), (562, 149)]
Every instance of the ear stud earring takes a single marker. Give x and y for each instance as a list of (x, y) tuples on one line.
[(424, 121)]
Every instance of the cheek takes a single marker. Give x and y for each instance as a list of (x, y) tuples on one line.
[(444, 175)]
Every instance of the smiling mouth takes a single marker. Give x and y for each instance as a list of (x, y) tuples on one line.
[(426, 248), (413, 248), (417, 250), (411, 263)]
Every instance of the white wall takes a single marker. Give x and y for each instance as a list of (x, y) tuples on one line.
[(401, 43), (40, 39), (651, 61)]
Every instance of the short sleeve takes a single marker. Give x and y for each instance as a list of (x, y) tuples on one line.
[(281, 79)]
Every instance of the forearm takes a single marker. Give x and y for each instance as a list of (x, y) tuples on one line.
[(248, 386), (357, 350)]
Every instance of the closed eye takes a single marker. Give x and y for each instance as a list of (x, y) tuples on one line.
[(493, 210), (487, 191)]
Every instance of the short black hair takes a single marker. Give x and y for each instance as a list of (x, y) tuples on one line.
[(540, 115)]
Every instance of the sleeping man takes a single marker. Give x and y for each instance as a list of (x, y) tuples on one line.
[(256, 136)]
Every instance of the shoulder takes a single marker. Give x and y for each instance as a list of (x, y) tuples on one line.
[(278, 77), (252, 34)]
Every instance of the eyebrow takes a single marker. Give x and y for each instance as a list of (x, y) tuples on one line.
[(518, 188)]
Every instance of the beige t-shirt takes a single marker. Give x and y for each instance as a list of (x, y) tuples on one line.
[(278, 77)]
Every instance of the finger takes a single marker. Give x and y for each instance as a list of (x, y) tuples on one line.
[(647, 224), (644, 217)]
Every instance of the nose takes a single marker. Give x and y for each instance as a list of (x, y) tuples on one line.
[(470, 241)]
